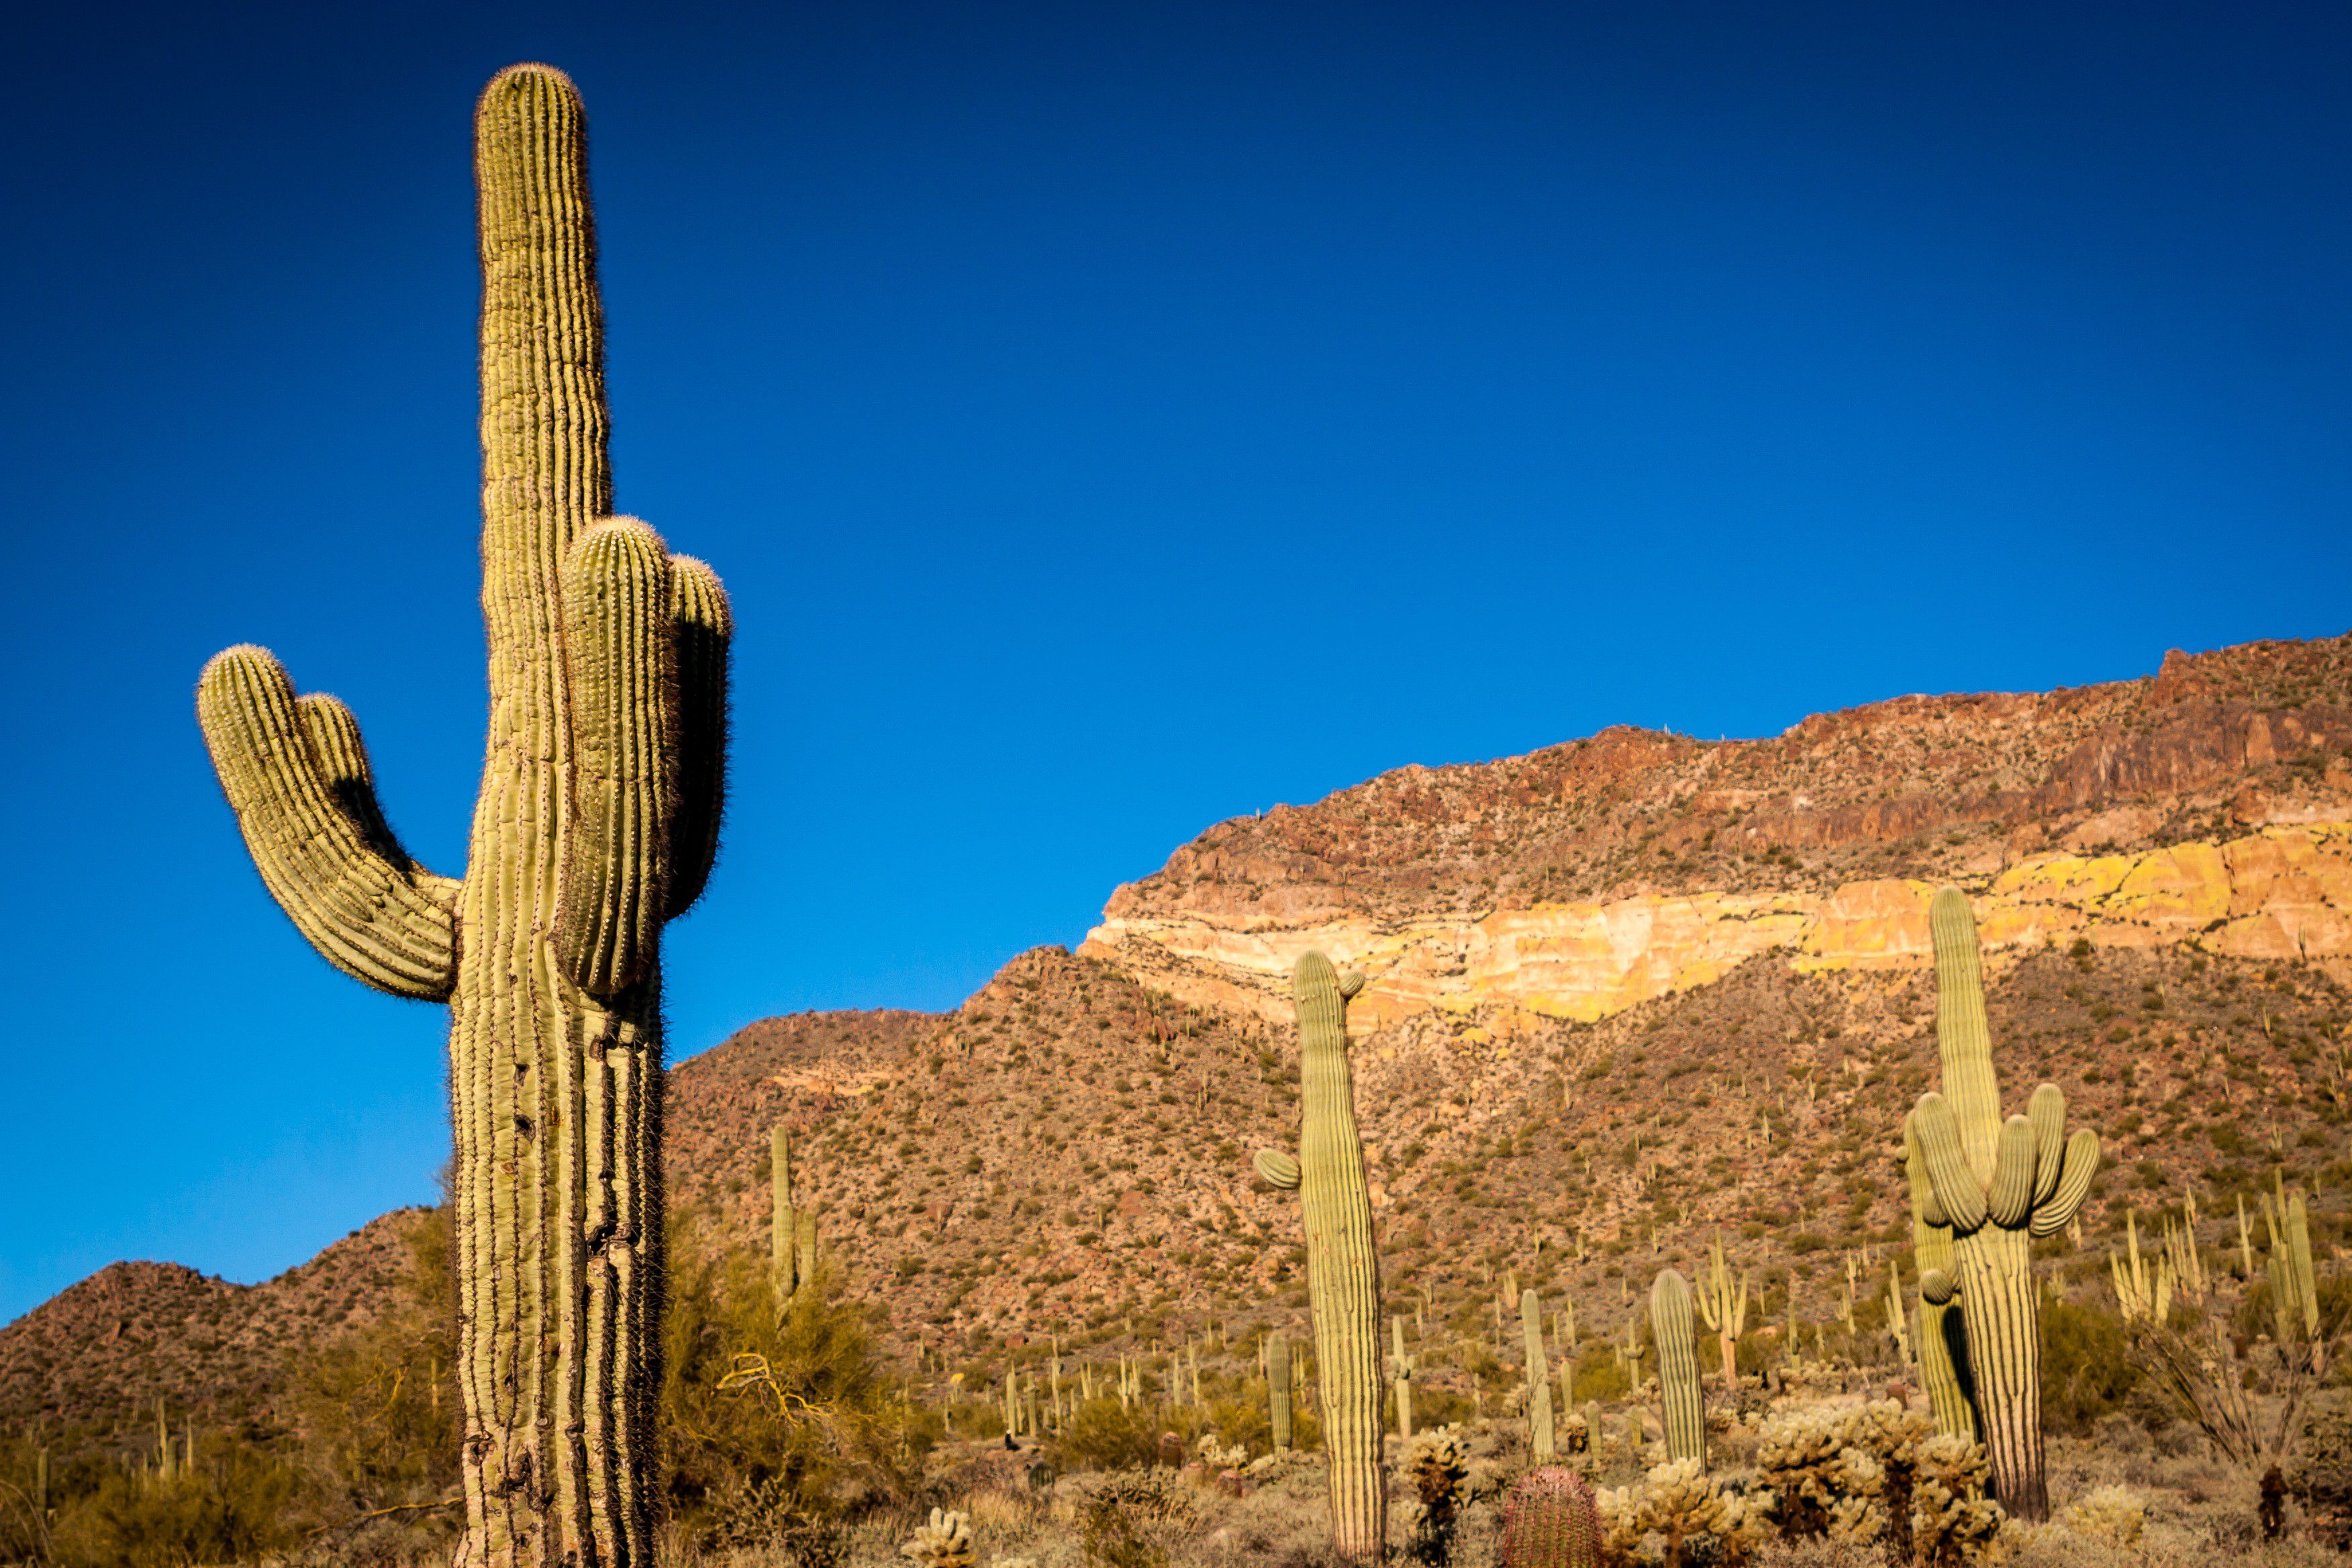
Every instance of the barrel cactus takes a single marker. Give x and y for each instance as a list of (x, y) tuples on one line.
[(596, 822), (1342, 1276), (1997, 1184), (1549, 1521), (1678, 1391)]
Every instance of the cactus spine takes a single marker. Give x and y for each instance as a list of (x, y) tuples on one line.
[(1997, 1184), (1277, 1389), (597, 820), (1540, 1435), (1942, 1333), (1342, 1276), (1670, 1324)]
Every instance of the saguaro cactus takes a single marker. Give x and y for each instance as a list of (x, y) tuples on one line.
[(1342, 1277), (1679, 1391), (597, 821), (1540, 1435), (1402, 1381), (783, 1232), (1997, 1184), (1724, 1306), (1277, 1389), (1942, 1333)]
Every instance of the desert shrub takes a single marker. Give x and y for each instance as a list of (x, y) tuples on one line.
[(235, 1504), (773, 1428), (378, 1418), (2320, 1474), (2086, 1370)]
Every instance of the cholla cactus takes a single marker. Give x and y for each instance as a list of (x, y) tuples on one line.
[(1550, 1519), (1678, 1512), (2115, 1515), (945, 1542), (1219, 1456), (1845, 1473), (1952, 1520), (1437, 1465)]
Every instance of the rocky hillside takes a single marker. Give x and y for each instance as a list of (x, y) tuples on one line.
[(1626, 994), (108, 1348)]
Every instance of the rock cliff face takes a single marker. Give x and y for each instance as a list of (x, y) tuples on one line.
[(2206, 808)]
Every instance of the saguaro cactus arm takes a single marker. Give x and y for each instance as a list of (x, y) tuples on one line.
[(702, 631), (337, 873), (623, 714)]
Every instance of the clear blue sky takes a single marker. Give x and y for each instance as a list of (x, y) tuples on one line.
[(1108, 419)]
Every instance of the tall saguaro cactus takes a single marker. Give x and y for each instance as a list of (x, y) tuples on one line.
[(1678, 1390), (1997, 1184), (597, 821), (783, 1220), (1540, 1435), (1278, 1391), (1723, 1306), (1342, 1276)]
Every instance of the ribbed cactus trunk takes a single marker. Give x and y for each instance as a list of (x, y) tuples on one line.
[(1342, 1276), (1540, 1435), (596, 822), (1941, 1332), (1685, 1415), (1996, 1184), (784, 1231)]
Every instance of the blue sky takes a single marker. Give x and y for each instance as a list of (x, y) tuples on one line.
[(1108, 420)]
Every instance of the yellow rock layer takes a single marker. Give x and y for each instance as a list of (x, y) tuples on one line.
[(2285, 892)]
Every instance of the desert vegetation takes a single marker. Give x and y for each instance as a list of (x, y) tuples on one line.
[(957, 1292)]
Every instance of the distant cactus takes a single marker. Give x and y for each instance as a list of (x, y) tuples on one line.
[(1402, 1381), (1540, 1449), (1678, 1390), (1724, 1306), (1549, 1521), (1277, 1389), (784, 1234), (596, 822), (1342, 1275), (1998, 1185)]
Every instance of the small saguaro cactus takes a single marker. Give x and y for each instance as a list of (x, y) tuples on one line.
[(1997, 1184), (596, 822), (1540, 1435), (1342, 1275), (1402, 1381), (784, 1234), (1942, 1333), (1724, 1306), (1685, 1415), (1277, 1389)]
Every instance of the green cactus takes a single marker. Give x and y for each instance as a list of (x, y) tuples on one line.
[(1679, 1391), (597, 820), (1342, 1276), (1277, 1389), (1549, 1521), (783, 1232), (1540, 1435), (1997, 1184), (1942, 1333), (1402, 1382), (2294, 1300), (1724, 1306)]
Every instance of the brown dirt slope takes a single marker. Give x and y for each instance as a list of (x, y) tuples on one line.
[(108, 1348)]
